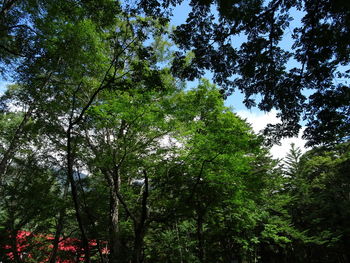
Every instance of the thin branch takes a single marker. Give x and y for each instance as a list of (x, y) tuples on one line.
[(12, 52), (271, 9), (199, 176), (16, 26)]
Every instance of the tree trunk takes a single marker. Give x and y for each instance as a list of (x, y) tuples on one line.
[(56, 240), (140, 225), (115, 253), (15, 253), (74, 192), (201, 255), (59, 227), (138, 243)]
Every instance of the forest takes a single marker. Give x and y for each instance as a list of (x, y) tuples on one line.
[(108, 156)]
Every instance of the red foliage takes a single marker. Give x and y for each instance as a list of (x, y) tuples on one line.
[(69, 249)]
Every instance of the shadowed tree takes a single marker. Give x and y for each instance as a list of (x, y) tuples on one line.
[(312, 88)]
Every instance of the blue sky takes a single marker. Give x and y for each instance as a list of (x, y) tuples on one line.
[(2, 85)]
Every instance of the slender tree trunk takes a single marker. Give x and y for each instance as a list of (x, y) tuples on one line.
[(115, 181), (140, 225), (115, 253), (14, 246), (178, 240), (56, 240), (74, 191), (346, 253), (59, 227), (138, 243), (92, 223), (201, 255)]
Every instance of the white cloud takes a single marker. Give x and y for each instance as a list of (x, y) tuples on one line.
[(259, 121), (3, 85)]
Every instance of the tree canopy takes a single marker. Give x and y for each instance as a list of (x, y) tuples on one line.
[(106, 155), (306, 81)]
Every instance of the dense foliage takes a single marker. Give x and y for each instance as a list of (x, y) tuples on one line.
[(293, 53), (105, 156)]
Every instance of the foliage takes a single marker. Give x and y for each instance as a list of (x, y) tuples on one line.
[(102, 144), (243, 44)]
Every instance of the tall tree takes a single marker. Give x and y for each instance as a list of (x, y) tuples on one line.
[(315, 64), (147, 145), (76, 53), (291, 161)]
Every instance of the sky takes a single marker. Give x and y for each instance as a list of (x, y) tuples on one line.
[(254, 116), (259, 120), (2, 85)]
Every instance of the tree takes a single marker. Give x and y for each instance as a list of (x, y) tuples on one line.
[(216, 164), (74, 55), (291, 161), (320, 50), (147, 163), (318, 184), (147, 145), (31, 195)]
